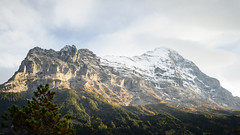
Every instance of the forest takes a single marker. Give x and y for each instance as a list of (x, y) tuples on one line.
[(93, 114)]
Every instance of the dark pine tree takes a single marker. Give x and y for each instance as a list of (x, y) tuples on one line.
[(39, 117)]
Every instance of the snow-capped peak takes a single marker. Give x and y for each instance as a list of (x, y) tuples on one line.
[(159, 65), (160, 52)]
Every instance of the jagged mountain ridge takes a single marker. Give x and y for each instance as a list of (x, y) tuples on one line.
[(156, 76)]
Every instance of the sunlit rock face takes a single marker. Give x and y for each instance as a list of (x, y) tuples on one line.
[(156, 76)]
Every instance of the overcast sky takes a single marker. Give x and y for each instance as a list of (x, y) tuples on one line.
[(206, 32)]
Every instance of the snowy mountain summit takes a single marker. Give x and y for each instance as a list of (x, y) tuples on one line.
[(160, 65), (161, 75), (177, 79)]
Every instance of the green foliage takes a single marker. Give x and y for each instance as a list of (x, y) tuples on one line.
[(39, 117), (101, 117), (9, 98), (170, 132)]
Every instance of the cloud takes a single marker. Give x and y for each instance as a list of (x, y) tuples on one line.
[(211, 14), (6, 73), (21, 28), (72, 13)]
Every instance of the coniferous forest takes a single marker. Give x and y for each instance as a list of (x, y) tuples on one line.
[(91, 113)]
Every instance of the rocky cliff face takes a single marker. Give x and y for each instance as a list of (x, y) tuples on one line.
[(75, 69), (161, 75)]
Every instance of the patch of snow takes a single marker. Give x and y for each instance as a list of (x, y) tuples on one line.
[(212, 90)]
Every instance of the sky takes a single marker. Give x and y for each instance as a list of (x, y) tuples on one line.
[(206, 32)]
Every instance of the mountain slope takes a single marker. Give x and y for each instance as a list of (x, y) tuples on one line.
[(179, 80), (157, 76)]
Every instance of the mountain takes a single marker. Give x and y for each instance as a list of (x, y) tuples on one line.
[(176, 79), (161, 75), (158, 92)]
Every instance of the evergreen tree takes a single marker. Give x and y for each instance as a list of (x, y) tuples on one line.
[(39, 117)]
